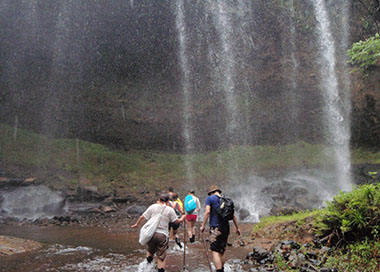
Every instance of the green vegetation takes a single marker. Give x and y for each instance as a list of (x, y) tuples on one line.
[(73, 161), (65, 162), (365, 54), (297, 219), (360, 256), (351, 224), (352, 216)]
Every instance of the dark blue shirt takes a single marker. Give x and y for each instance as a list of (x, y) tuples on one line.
[(214, 202)]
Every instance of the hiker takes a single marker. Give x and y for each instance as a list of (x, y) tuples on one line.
[(171, 195), (179, 212), (160, 240), (219, 227), (191, 201)]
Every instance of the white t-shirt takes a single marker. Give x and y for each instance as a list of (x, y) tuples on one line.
[(198, 203), (168, 215)]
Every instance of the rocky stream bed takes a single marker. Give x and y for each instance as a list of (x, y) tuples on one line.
[(87, 231)]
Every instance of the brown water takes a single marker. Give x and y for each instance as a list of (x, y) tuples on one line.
[(75, 248)]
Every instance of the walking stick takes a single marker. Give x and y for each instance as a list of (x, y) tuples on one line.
[(206, 252), (184, 245)]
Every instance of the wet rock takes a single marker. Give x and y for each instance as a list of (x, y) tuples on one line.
[(291, 244), (283, 210), (258, 254), (243, 214), (135, 210), (324, 250), (29, 181), (89, 193), (237, 261), (311, 255), (126, 199), (107, 209), (294, 260), (315, 262), (12, 245)]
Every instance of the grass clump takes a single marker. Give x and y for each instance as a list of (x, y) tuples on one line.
[(360, 256), (297, 219)]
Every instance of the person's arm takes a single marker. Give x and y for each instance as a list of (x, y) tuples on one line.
[(180, 207), (180, 220), (236, 226), (205, 217), (198, 204), (141, 218)]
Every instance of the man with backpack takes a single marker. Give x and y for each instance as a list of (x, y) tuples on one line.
[(220, 210), (192, 207)]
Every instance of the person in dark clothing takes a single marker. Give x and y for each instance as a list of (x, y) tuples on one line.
[(219, 228)]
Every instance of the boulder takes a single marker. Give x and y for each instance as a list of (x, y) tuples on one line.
[(107, 209), (259, 253), (29, 181), (135, 210), (124, 199), (89, 193), (243, 214)]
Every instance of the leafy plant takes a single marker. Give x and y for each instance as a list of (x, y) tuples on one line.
[(365, 54), (351, 216)]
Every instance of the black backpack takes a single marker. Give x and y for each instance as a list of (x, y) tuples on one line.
[(227, 208)]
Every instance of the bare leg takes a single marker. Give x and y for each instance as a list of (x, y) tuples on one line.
[(193, 227), (171, 234), (189, 229), (160, 264), (149, 257), (218, 260), (223, 259)]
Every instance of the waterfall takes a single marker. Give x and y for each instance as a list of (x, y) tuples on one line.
[(185, 85), (225, 30), (336, 117), (31, 202), (293, 71)]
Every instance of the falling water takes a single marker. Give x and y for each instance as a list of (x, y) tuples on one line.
[(15, 129), (346, 95), (77, 151), (185, 84), (225, 31), (293, 72), (123, 112), (227, 68), (335, 115), (31, 202)]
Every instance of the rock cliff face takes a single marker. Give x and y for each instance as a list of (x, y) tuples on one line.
[(110, 73)]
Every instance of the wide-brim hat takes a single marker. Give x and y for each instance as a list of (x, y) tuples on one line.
[(213, 188)]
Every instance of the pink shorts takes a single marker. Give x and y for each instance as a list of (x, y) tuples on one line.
[(191, 217)]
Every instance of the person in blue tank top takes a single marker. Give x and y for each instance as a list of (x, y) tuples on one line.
[(219, 228)]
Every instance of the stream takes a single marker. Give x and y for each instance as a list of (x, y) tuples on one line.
[(78, 248)]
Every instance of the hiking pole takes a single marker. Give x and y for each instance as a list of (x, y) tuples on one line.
[(206, 252), (184, 245)]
